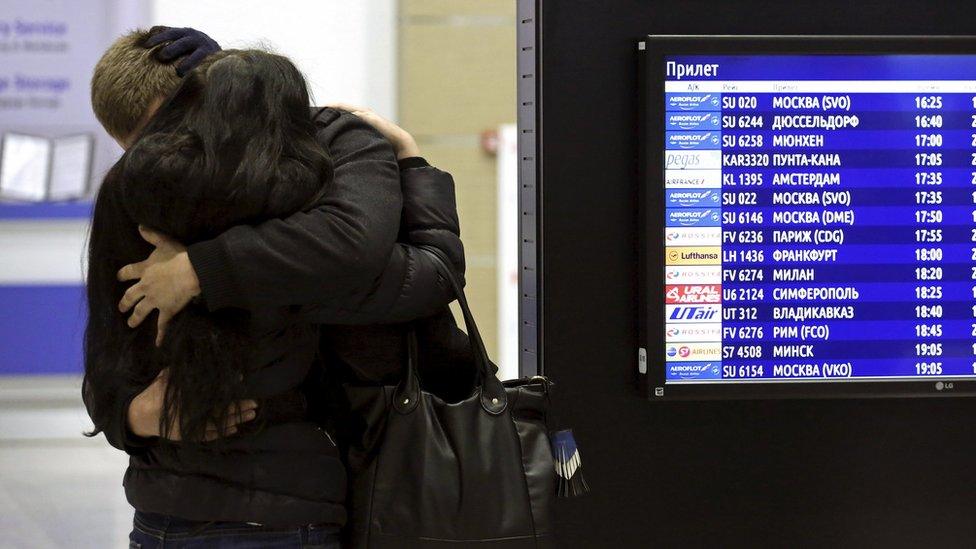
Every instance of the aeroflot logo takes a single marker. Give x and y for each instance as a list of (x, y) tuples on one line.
[(685, 198), (694, 370), (693, 217), (693, 101), (693, 140), (693, 121)]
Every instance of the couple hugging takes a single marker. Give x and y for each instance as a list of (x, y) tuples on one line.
[(248, 252)]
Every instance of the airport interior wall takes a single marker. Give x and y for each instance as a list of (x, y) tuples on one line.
[(782, 473)]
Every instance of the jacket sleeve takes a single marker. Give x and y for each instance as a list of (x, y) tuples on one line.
[(113, 376), (411, 286), (338, 248)]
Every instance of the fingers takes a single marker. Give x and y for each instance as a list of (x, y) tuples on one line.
[(191, 62), (161, 323), (133, 295), (346, 107), (132, 271), (238, 414), (171, 33), (152, 237), (177, 48), (142, 310)]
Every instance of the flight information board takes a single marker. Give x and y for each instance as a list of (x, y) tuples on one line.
[(819, 217)]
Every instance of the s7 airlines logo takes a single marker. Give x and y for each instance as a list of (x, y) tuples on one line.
[(694, 351), (693, 293)]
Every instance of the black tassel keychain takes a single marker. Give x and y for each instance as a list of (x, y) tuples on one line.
[(569, 466)]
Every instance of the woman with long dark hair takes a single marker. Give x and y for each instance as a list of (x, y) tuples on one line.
[(239, 458)]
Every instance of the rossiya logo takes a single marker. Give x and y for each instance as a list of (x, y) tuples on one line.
[(694, 140), (693, 121), (693, 235), (694, 332), (693, 217), (693, 293), (711, 274)]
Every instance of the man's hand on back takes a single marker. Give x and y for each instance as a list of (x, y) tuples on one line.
[(166, 282)]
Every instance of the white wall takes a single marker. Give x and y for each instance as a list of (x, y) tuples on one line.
[(346, 48)]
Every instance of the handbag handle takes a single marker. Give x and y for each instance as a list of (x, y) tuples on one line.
[(493, 396)]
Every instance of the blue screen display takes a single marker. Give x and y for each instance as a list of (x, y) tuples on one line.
[(820, 217)]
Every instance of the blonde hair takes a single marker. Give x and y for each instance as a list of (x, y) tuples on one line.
[(127, 80)]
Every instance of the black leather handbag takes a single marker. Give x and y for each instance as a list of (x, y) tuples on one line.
[(430, 473)]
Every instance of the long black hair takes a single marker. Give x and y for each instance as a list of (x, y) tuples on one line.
[(234, 144)]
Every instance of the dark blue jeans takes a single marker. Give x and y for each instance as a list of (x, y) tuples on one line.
[(152, 531)]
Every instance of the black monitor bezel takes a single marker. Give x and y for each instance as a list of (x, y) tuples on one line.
[(652, 52)]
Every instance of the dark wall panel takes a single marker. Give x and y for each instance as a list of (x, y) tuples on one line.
[(828, 473)]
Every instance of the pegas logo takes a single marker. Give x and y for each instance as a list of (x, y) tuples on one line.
[(693, 293), (693, 332), (693, 121), (705, 159), (693, 217), (685, 198), (680, 101), (693, 313), (677, 371), (693, 140)]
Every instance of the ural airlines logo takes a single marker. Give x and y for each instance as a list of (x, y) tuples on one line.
[(693, 293), (693, 313)]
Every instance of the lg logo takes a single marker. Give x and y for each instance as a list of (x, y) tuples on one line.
[(943, 386)]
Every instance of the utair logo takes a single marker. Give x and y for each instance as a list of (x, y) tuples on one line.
[(699, 313)]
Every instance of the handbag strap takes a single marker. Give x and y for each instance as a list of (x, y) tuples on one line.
[(493, 396)]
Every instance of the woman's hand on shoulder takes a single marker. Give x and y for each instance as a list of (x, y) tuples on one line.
[(403, 143)]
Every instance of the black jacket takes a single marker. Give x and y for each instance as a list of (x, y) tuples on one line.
[(341, 263)]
